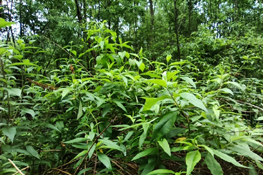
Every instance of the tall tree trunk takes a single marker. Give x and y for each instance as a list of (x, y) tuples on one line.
[(152, 21), (20, 18), (78, 11), (176, 30), (190, 8)]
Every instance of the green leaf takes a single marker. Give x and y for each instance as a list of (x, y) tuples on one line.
[(157, 81), (152, 101), (228, 158), (168, 57), (65, 92), (3, 23), (52, 127), (10, 132), (245, 151), (80, 110), (110, 144), (192, 158), (32, 151), (76, 140), (252, 170), (193, 100), (148, 167), (189, 80), (28, 111), (119, 104), (161, 171), (145, 153), (165, 145), (142, 66), (236, 85), (84, 170), (213, 165), (164, 125), (144, 134), (226, 90), (14, 91), (105, 160)]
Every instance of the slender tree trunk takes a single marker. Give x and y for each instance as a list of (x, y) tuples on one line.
[(152, 21), (176, 30), (78, 11), (189, 16), (20, 18)]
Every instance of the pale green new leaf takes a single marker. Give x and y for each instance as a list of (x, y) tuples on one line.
[(192, 158), (165, 145), (193, 100), (161, 171), (168, 57), (152, 101), (213, 165), (157, 81)]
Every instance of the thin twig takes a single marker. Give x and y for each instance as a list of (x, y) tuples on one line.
[(250, 105), (22, 170), (68, 54), (95, 166), (15, 167), (95, 141), (61, 171)]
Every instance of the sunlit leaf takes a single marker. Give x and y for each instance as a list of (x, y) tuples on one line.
[(192, 158)]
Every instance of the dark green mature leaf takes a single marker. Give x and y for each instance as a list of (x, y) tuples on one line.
[(28, 111), (105, 160), (193, 100), (80, 110), (32, 151), (76, 140), (10, 132), (192, 158), (145, 153), (48, 125), (84, 170), (213, 165), (164, 126)]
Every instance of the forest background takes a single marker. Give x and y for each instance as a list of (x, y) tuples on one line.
[(131, 87)]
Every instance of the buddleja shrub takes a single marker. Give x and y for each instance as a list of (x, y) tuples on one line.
[(122, 112)]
